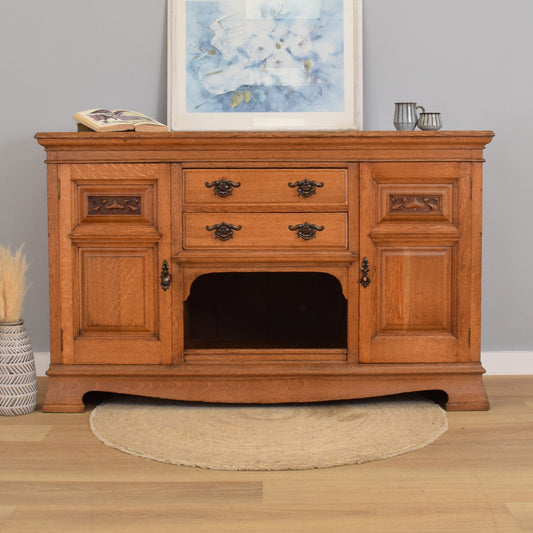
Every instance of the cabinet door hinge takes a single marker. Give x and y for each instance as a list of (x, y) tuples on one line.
[(58, 189), (469, 337), (61, 339)]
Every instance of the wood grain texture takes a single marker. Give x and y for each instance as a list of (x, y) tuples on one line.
[(266, 186), (264, 381), (409, 203), (421, 261), (268, 231), (476, 478), (266, 146)]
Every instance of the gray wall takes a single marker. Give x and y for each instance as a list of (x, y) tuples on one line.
[(471, 60)]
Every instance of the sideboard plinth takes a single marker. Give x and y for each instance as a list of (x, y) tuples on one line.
[(265, 384)]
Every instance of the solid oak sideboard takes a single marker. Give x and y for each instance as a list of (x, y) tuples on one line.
[(265, 267)]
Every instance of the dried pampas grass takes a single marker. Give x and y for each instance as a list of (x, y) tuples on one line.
[(13, 268)]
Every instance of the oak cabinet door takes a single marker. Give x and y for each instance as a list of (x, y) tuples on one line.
[(415, 230), (115, 236)]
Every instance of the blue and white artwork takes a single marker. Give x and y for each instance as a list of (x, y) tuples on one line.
[(253, 56)]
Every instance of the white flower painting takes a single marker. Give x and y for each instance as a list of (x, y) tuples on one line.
[(255, 56)]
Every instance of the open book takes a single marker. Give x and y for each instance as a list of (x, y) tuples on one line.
[(117, 120)]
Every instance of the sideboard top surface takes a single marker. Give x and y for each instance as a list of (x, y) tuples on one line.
[(341, 145)]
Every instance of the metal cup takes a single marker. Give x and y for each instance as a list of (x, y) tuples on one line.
[(406, 116), (429, 121)]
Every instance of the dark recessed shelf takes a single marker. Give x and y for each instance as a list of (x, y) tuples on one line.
[(267, 309)]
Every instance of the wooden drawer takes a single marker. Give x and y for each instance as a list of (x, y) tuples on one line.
[(113, 194), (115, 204), (265, 230), (303, 187), (415, 203), (415, 193)]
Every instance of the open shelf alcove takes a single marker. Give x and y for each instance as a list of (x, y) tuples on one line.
[(266, 309), (249, 316)]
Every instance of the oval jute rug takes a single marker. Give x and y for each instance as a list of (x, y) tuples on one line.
[(268, 437)]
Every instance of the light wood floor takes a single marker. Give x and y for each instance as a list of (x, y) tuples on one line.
[(55, 477)]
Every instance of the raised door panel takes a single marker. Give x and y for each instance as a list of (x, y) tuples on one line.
[(120, 313), (116, 292), (415, 234), (410, 311), (414, 290), (115, 235)]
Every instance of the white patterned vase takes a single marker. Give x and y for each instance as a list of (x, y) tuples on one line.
[(18, 381)]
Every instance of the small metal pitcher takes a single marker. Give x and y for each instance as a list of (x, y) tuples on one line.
[(406, 116), (429, 121)]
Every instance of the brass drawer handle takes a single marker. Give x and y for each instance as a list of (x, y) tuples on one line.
[(223, 231), (306, 188), (222, 187), (306, 231)]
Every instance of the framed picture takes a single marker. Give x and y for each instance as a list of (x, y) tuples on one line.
[(265, 64)]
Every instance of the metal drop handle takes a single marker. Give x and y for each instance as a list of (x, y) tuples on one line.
[(306, 231), (222, 188), (223, 231), (306, 188)]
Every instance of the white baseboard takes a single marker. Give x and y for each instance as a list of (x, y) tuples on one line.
[(42, 362), (507, 363), (495, 363)]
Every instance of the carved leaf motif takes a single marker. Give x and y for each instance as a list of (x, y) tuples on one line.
[(114, 205), (419, 203)]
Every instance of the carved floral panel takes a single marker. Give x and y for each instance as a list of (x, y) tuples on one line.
[(415, 203), (114, 205)]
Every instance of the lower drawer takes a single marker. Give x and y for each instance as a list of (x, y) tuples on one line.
[(265, 230)]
